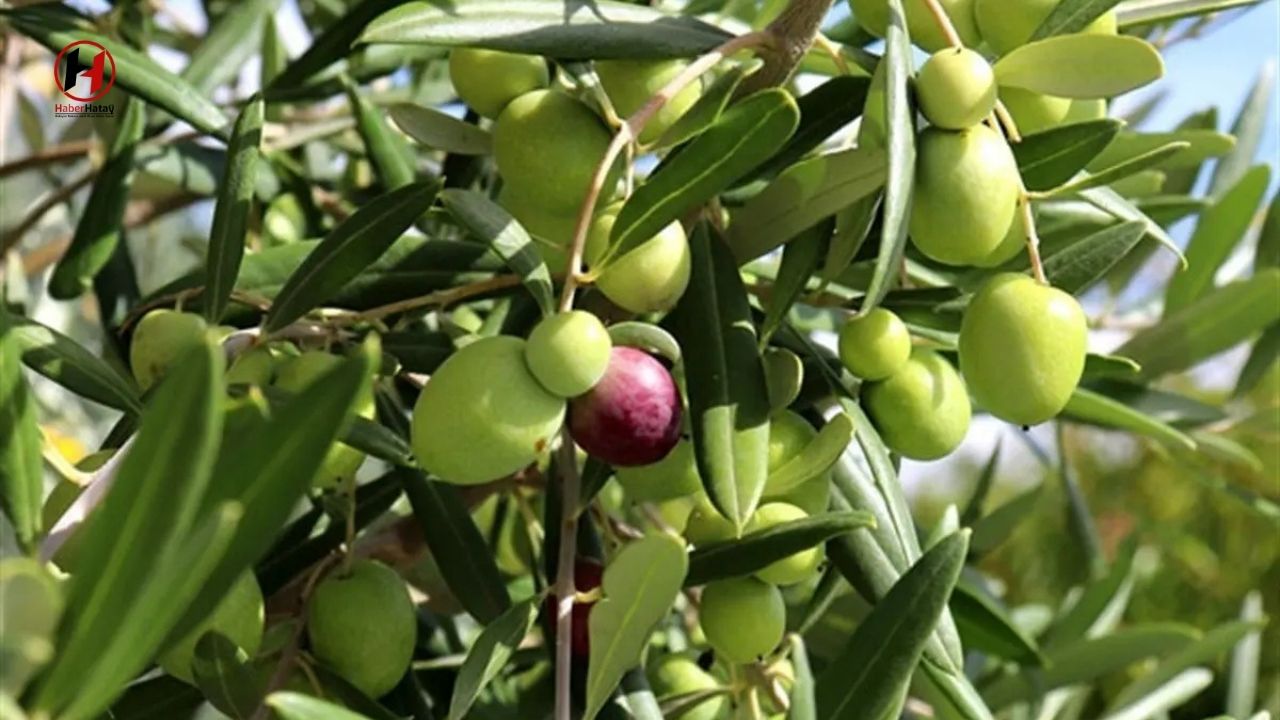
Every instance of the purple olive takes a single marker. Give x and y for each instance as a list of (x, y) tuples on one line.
[(632, 416)]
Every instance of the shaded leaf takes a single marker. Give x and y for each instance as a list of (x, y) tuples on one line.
[(387, 151), (817, 457), (1091, 407), (800, 259), (1072, 16), (490, 653), (710, 104), (757, 550), (491, 224), (231, 214), (21, 467), (441, 131), (646, 337), (1205, 651), (1048, 159), (223, 673), (65, 362), (1082, 264), (986, 627), (1131, 169)]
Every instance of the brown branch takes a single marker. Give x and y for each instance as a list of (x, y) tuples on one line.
[(58, 153), (12, 237), (793, 32)]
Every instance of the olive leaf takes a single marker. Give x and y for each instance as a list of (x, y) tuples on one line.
[(231, 214), (67, 363), (385, 146), (441, 131), (1088, 406), (490, 653), (817, 457), (296, 706), (1072, 16), (710, 104), (489, 222), (1048, 159), (21, 466), (985, 626), (757, 550), (1081, 66)]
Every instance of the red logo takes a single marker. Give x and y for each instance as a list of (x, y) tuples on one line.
[(85, 59)]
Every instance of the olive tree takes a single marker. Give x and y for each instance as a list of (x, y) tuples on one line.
[(561, 359)]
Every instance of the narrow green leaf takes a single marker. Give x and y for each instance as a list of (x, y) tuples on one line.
[(231, 214), (640, 586), (990, 531), (1177, 691), (853, 225), (1085, 659), (757, 550), (1082, 264), (823, 111), (1205, 651), (801, 197), (803, 705), (196, 169), (267, 468), (1096, 600), (333, 44), (21, 467), (728, 399), (817, 457), (901, 166), (1206, 327), (223, 673), (554, 28), (65, 362), (351, 247), (273, 57), (1081, 66), (1261, 358), (441, 131), (871, 677), (1127, 169), (391, 157), (981, 489), (490, 653), (1088, 406), (1072, 16), (296, 706), (638, 697), (1220, 230), (228, 45), (647, 337), (457, 546), (800, 259), (1248, 130), (1113, 204), (98, 230), (1134, 13), (1242, 684), (151, 505), (487, 221), (1048, 159), (135, 72), (747, 134), (710, 105), (1204, 144), (986, 627)]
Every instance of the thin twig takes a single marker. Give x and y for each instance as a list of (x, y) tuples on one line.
[(1033, 238), (943, 21), (58, 153), (1007, 122), (439, 298), (565, 590), (54, 199)]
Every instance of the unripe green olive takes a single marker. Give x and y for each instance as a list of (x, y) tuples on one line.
[(341, 462), (789, 435), (651, 277), (160, 340), (873, 346), (1033, 112), (255, 366), (483, 415), (783, 376), (674, 476), (487, 80), (551, 232), (956, 88), (966, 194), (793, 568), (1022, 348), (812, 496), (922, 411), (547, 145), (363, 626), (873, 16), (569, 352), (238, 617), (706, 525), (743, 618), (630, 84), (672, 675), (1007, 24)]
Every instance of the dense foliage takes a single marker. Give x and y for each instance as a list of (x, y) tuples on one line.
[(557, 359)]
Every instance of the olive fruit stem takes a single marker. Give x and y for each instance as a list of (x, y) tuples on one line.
[(289, 655), (564, 586), (823, 43), (630, 131), (440, 298), (1007, 122), (1033, 238), (943, 21)]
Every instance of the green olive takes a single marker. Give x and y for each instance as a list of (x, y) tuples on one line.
[(568, 353), (812, 496), (487, 80), (873, 16), (674, 476), (363, 626), (238, 617), (1033, 112), (651, 277), (1013, 244), (966, 194), (783, 375), (873, 346), (631, 83), (1022, 348), (789, 435), (1007, 24), (547, 146), (922, 411), (793, 568), (483, 415), (551, 231), (341, 462), (160, 340), (256, 366), (956, 88), (671, 675), (706, 525), (743, 618)]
